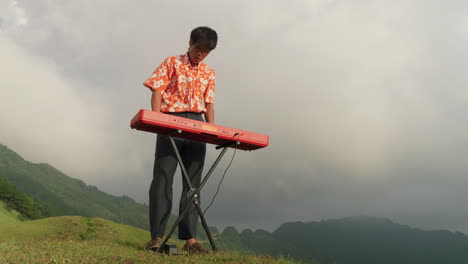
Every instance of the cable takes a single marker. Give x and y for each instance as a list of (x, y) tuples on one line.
[(222, 178)]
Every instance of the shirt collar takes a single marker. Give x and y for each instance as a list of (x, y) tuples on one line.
[(185, 59)]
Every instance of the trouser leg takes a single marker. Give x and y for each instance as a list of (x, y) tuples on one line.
[(193, 157), (160, 193)]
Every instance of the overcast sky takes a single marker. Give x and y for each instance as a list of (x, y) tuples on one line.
[(365, 102)]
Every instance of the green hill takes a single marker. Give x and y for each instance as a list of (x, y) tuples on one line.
[(55, 194), (8, 216), (66, 195), (26, 206), (75, 239)]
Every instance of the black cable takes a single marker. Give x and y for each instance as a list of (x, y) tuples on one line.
[(222, 178)]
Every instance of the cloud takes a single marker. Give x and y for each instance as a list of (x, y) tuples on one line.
[(12, 16), (43, 116), (364, 101)]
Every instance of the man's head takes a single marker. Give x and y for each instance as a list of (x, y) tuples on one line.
[(202, 41)]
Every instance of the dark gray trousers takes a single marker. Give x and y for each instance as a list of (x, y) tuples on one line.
[(160, 193)]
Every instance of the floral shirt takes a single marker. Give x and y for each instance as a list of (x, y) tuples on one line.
[(183, 88)]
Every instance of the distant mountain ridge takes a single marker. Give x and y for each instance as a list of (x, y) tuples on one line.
[(352, 240)]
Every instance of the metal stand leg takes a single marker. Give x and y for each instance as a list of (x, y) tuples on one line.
[(194, 192)]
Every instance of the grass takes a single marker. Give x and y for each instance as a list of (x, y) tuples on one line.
[(95, 251), (7, 216), (74, 239)]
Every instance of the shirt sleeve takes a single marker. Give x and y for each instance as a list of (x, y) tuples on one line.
[(161, 77), (210, 90)]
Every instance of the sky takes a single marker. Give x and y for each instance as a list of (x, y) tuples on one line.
[(365, 102)]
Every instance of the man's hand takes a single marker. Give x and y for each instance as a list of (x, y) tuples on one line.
[(209, 114), (156, 101)]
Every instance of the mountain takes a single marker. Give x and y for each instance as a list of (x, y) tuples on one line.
[(262, 242), (375, 240), (66, 195), (353, 240)]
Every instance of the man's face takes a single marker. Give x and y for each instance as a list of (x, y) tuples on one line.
[(197, 53)]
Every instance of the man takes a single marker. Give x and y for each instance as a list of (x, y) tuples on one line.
[(183, 86)]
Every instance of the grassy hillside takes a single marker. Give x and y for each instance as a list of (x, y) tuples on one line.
[(74, 239), (53, 193), (7, 216), (68, 196), (26, 206)]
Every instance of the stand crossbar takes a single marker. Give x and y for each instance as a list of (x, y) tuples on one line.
[(193, 194)]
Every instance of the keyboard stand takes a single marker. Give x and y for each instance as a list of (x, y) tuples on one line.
[(193, 194)]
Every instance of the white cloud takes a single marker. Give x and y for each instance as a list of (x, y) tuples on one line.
[(43, 116), (12, 16), (363, 100)]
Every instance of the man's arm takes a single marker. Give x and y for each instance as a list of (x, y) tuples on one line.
[(209, 114), (156, 101)]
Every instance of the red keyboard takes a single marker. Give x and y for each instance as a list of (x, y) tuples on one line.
[(163, 124)]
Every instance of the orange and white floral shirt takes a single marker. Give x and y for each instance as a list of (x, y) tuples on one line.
[(183, 88)]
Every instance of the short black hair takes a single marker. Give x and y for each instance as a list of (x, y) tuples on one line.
[(205, 36)]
